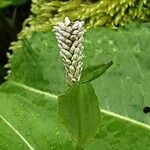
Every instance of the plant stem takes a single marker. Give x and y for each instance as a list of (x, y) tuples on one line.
[(79, 144)]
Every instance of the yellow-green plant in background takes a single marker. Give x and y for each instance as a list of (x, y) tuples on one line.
[(109, 13), (103, 12)]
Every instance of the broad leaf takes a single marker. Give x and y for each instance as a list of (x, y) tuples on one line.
[(29, 120), (124, 88), (129, 136), (79, 110), (28, 101), (93, 72)]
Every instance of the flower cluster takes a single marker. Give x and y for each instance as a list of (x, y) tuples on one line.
[(70, 42)]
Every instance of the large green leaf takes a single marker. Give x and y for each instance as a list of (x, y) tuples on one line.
[(127, 137), (79, 110), (29, 120), (124, 89), (28, 101)]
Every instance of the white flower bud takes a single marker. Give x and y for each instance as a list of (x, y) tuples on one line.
[(80, 63), (66, 34), (77, 73), (68, 42), (67, 21), (80, 34), (68, 61), (62, 25), (60, 46), (61, 38), (81, 39), (79, 67), (79, 58), (73, 37), (71, 69), (65, 46), (75, 26), (68, 55), (74, 63), (76, 43), (69, 29), (57, 34), (80, 45), (56, 28), (62, 55), (70, 75), (72, 49), (74, 57), (79, 77), (77, 50), (75, 32), (74, 80)]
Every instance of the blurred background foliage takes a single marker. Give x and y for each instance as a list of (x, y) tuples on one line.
[(6, 3), (45, 13), (12, 15)]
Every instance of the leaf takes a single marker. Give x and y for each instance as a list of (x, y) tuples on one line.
[(33, 114), (79, 110), (124, 88), (118, 132), (41, 55), (28, 100), (93, 72), (6, 3)]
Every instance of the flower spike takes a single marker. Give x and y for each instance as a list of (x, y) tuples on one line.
[(70, 39)]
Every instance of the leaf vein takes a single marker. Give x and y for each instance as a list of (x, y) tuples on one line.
[(34, 90), (126, 119), (17, 132)]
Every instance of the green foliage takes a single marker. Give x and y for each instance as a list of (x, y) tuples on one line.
[(79, 109), (119, 134), (32, 114), (93, 72), (124, 89), (11, 19), (5, 3), (29, 98)]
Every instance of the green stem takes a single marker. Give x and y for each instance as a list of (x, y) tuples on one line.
[(79, 144)]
